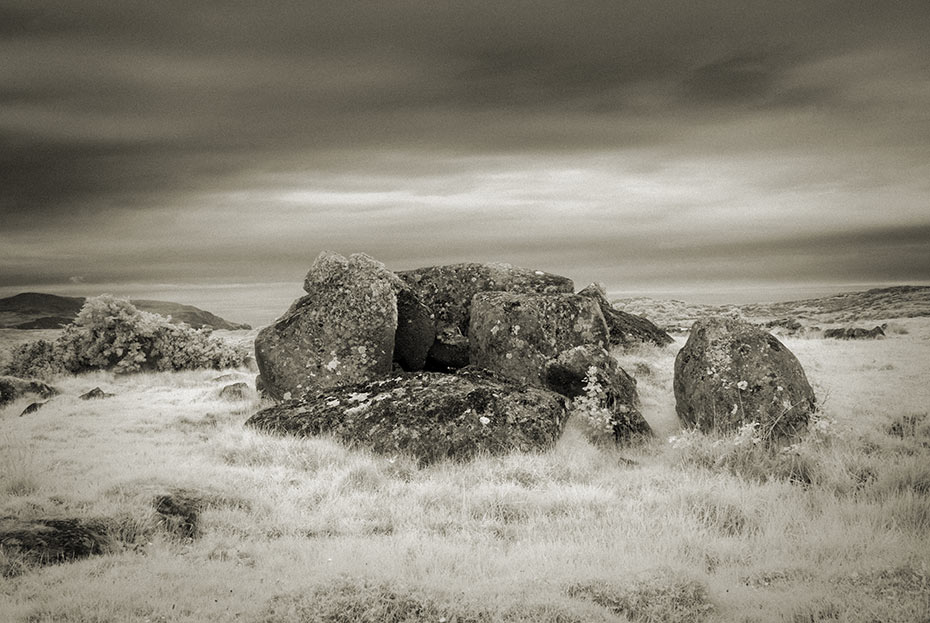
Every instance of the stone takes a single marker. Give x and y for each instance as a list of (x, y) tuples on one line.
[(32, 408), (51, 541), (517, 334), (416, 329), (12, 388), (570, 372), (626, 329), (429, 416), (447, 292), (731, 373), (178, 512), (854, 333), (95, 394), (260, 387), (236, 391), (341, 332)]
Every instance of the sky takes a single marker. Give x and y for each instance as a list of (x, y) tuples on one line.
[(648, 145)]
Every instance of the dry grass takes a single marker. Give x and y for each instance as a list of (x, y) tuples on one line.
[(306, 530)]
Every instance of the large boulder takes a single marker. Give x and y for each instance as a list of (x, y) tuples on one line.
[(427, 415), (341, 332), (731, 373), (416, 328), (12, 388), (517, 334), (447, 292), (590, 373), (626, 329)]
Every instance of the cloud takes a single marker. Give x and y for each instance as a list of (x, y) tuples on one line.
[(159, 139)]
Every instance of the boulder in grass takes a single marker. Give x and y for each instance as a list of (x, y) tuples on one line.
[(95, 394), (517, 334), (576, 369), (32, 408), (447, 291), (731, 373), (341, 332), (50, 541), (429, 416), (12, 388), (235, 392), (626, 329)]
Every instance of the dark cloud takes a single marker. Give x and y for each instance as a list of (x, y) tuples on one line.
[(122, 122)]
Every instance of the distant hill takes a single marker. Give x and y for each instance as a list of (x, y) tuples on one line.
[(33, 310), (875, 304)]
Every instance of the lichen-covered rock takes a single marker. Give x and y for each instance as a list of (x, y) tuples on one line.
[(626, 329), (517, 334), (574, 369), (50, 541), (12, 388), (731, 373), (341, 332), (448, 290), (427, 415)]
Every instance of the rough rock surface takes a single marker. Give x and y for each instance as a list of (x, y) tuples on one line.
[(427, 415), (49, 541), (731, 372), (854, 333), (626, 329), (12, 388), (568, 374), (236, 391), (341, 332), (517, 334), (447, 292), (95, 394), (416, 329), (32, 408)]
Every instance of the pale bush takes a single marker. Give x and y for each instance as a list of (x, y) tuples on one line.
[(109, 333), (596, 419)]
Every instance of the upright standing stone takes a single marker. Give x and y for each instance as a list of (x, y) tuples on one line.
[(341, 332)]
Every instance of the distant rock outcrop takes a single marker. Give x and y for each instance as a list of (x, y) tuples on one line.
[(341, 332), (626, 329), (854, 333), (427, 415), (95, 394), (235, 392), (731, 373)]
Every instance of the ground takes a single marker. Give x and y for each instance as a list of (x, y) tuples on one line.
[(837, 528)]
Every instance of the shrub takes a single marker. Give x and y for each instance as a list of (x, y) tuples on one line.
[(596, 419), (111, 334)]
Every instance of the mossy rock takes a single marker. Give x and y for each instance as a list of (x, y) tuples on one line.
[(427, 415)]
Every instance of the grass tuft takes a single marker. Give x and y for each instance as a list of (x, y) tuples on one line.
[(663, 598)]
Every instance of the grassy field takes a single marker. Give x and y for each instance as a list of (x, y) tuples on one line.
[(835, 529)]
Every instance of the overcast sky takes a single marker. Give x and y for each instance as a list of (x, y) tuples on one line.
[(638, 143)]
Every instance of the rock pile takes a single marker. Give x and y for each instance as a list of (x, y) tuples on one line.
[(443, 361)]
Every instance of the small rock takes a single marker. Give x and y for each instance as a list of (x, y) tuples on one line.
[(13, 388), (854, 333), (95, 394), (32, 408), (235, 392)]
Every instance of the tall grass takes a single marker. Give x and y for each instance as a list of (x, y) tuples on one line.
[(289, 529)]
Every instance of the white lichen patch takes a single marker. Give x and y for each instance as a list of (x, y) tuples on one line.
[(333, 364), (358, 397), (333, 403)]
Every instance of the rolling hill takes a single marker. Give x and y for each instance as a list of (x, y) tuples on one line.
[(34, 310)]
